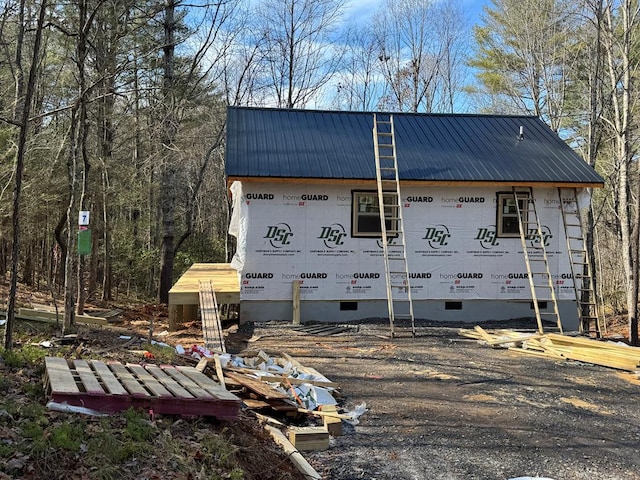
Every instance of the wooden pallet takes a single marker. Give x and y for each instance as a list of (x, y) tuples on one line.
[(113, 386)]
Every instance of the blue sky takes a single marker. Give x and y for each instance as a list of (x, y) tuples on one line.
[(363, 8)]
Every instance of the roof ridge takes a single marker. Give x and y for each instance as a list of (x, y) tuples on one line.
[(363, 112)]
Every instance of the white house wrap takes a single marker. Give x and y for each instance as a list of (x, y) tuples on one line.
[(298, 232)]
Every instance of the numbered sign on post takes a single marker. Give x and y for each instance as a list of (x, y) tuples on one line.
[(83, 218)]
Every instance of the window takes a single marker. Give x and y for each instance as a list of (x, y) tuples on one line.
[(344, 306), (366, 214), (507, 222), (541, 305)]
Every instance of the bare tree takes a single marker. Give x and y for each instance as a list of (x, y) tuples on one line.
[(419, 50), (358, 84), (184, 80), (619, 38), (300, 50), (24, 96)]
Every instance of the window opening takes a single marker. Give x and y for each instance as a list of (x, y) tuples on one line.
[(366, 214)]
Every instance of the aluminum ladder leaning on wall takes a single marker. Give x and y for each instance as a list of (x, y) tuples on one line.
[(581, 271), (535, 256), (399, 300)]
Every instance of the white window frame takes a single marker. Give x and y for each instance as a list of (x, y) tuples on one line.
[(506, 212), (364, 205)]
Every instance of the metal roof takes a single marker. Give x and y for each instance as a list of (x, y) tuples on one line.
[(266, 142)]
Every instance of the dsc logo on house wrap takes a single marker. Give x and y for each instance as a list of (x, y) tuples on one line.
[(535, 238), (437, 236), (390, 241), (332, 235), (487, 237), (279, 235)]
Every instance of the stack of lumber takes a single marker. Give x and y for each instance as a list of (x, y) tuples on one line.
[(561, 347)]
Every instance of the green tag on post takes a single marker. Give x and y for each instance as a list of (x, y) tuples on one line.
[(84, 242)]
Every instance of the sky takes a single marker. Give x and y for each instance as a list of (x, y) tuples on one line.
[(364, 8)]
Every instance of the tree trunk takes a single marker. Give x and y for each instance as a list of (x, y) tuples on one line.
[(22, 113), (167, 198)]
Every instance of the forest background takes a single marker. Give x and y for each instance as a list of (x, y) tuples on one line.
[(117, 107)]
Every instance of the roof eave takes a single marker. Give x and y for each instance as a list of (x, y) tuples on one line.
[(416, 183)]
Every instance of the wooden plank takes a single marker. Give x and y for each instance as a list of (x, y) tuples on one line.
[(60, 377), (296, 302), (202, 364), (309, 438), (150, 382), (88, 378), (301, 367), (186, 382), (207, 384), (111, 383), (30, 312), (333, 425), (127, 379), (255, 403), (296, 381), (168, 382), (219, 373), (298, 460), (256, 386)]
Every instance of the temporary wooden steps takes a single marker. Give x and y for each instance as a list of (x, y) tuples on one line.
[(113, 386)]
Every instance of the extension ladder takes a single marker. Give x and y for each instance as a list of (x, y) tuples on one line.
[(400, 304), (581, 272), (535, 257)]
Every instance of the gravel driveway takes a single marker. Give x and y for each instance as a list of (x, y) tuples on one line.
[(444, 407)]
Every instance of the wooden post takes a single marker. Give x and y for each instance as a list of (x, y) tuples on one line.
[(296, 302), (175, 317), (189, 313)]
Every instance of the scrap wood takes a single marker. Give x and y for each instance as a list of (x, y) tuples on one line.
[(219, 373), (273, 378), (558, 346), (303, 368), (268, 419), (293, 391), (296, 457), (256, 386), (332, 414), (280, 405), (202, 364)]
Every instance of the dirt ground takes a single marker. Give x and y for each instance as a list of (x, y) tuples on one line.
[(444, 407), (439, 406)]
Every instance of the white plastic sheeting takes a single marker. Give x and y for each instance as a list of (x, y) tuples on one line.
[(238, 225), (290, 232)]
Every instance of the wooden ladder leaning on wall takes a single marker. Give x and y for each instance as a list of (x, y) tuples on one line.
[(589, 314), (535, 257), (399, 301)]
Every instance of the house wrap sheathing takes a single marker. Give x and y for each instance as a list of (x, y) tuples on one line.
[(305, 228)]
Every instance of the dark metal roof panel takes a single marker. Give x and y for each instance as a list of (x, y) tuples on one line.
[(265, 142)]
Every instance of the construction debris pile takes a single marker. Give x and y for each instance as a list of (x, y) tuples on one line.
[(302, 385), (561, 347)]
